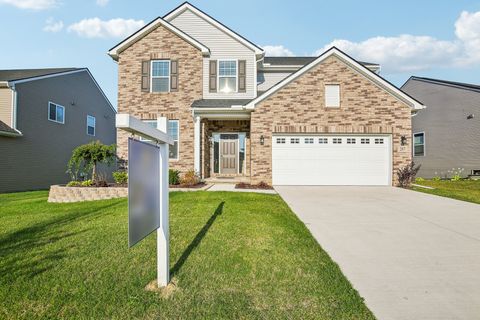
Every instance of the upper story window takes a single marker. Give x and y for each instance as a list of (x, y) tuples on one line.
[(56, 113), (160, 76), (173, 131), (91, 125), (332, 96), (227, 76), (419, 144)]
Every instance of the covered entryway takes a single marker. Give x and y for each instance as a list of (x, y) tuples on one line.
[(331, 160)]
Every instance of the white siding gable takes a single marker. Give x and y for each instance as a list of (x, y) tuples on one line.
[(222, 47)]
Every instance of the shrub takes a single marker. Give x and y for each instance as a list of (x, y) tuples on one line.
[(456, 174), (173, 177), (120, 177), (74, 184), (87, 183), (190, 178), (407, 174), (86, 157), (419, 179)]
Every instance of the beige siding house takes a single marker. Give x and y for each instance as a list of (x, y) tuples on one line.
[(53, 111), (237, 115)]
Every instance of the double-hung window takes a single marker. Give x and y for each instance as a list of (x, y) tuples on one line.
[(227, 76), (90, 125), (173, 131), (419, 144), (56, 113), (160, 79)]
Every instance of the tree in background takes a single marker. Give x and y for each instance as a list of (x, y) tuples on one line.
[(86, 158)]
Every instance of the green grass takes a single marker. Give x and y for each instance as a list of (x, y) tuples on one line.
[(466, 190), (233, 256)]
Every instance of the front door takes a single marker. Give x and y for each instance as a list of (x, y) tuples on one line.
[(228, 154)]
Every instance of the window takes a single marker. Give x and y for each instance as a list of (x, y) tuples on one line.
[(337, 140), (308, 140), (173, 131), (160, 75), (322, 140), (56, 113), (332, 95), (419, 144), (90, 125), (351, 141), (294, 140), (365, 141), (227, 76), (378, 141), (280, 140)]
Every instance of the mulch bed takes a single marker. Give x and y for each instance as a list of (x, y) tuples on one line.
[(261, 185)]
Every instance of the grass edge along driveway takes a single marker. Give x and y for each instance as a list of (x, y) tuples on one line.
[(233, 256), (465, 190)]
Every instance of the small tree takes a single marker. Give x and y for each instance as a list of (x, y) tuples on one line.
[(86, 158), (406, 175)]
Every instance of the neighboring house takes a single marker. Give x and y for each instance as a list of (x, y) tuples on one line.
[(447, 133), (44, 115), (327, 120)]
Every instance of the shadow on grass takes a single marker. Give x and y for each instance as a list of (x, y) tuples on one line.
[(28, 252), (196, 241)]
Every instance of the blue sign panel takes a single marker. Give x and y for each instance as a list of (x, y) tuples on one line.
[(143, 190)]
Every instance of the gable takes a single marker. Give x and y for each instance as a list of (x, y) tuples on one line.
[(352, 65)]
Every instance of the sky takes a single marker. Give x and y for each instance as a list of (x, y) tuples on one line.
[(437, 39)]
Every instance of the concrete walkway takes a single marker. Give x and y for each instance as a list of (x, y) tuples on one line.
[(409, 254)]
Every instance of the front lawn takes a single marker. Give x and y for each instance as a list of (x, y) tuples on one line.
[(233, 256), (466, 190)]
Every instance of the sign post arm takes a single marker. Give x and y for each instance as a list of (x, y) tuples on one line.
[(163, 261)]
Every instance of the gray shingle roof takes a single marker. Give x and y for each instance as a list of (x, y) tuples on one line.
[(219, 103), (5, 128), (18, 74), (298, 61), (463, 85)]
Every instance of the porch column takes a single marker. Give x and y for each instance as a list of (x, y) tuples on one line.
[(196, 145)]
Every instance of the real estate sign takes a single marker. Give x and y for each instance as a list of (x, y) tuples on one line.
[(143, 190)]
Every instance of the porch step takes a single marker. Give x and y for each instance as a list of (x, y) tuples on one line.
[(227, 180)]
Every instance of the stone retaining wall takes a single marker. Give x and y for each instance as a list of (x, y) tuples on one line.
[(76, 194)]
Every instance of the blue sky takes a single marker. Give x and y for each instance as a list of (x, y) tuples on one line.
[(439, 39)]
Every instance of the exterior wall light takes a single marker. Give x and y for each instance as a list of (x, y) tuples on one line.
[(470, 116), (403, 141), (262, 140)]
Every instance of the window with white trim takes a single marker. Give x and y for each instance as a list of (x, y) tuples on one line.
[(173, 131), (294, 140), (322, 140), (56, 113), (160, 76), (280, 140), (90, 125), (308, 140), (227, 76), (332, 95), (337, 140), (419, 144)]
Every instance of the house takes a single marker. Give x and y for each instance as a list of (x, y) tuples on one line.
[(326, 120), (446, 134), (44, 115)]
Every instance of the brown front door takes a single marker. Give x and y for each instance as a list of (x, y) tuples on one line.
[(228, 156)]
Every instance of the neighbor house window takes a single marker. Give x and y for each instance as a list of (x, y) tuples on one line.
[(56, 113), (90, 125), (419, 144), (173, 131), (332, 95), (227, 76), (160, 81)]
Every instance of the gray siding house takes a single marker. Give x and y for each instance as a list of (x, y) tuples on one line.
[(44, 115), (446, 134)]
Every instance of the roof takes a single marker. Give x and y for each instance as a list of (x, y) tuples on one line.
[(299, 61), (219, 103), (20, 74), (461, 85), (7, 130), (186, 5), (372, 76), (124, 44)]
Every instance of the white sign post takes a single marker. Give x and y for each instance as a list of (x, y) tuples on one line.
[(135, 126)]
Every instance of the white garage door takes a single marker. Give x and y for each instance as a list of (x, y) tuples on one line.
[(331, 160)]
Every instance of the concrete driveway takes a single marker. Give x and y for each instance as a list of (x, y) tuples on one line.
[(409, 254)]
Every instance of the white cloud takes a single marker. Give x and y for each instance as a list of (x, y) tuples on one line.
[(114, 28), (102, 3), (53, 26), (31, 4), (277, 51), (467, 30)]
